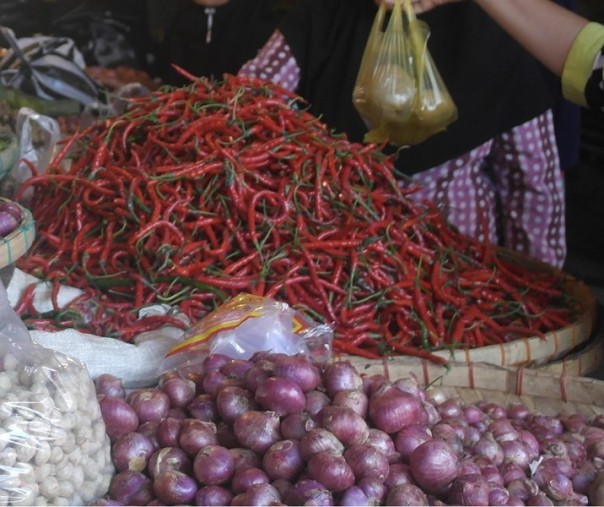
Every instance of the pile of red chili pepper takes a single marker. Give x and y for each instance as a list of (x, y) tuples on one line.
[(199, 193)]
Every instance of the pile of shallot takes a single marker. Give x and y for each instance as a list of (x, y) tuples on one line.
[(279, 430)]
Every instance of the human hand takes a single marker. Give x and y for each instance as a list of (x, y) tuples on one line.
[(211, 3), (420, 6)]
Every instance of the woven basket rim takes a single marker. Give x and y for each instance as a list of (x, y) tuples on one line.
[(549, 391), (536, 350), (581, 361), (17, 243)]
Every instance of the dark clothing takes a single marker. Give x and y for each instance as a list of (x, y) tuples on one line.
[(567, 116), (240, 29), (595, 85), (495, 84)]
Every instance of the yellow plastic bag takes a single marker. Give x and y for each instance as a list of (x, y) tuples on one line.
[(399, 92), (385, 89)]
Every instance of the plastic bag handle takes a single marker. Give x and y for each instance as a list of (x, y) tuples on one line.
[(38, 157), (408, 9), (419, 42)]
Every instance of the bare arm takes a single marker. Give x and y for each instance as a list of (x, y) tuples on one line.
[(544, 28)]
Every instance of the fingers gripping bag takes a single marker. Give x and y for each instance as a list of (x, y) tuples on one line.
[(54, 449), (407, 98), (247, 324), (385, 90)]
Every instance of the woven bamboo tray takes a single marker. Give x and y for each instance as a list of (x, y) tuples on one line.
[(17, 242), (539, 391), (536, 351), (582, 361)]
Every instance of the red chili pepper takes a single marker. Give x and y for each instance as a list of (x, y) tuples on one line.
[(157, 225), (350, 348), (428, 321), (25, 304), (199, 193), (417, 352)]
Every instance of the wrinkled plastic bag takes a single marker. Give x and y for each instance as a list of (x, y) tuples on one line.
[(136, 363), (34, 153), (54, 447), (399, 92), (247, 324)]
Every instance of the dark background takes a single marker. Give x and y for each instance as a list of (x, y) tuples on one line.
[(585, 191)]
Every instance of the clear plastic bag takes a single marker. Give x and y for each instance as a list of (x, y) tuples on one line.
[(31, 153), (399, 92), (54, 449), (247, 324)]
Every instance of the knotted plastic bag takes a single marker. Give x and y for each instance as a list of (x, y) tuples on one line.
[(399, 92), (247, 324)]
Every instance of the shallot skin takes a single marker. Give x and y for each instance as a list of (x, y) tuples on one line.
[(8, 223)]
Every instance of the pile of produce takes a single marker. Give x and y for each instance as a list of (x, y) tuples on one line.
[(197, 194), (278, 430)]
